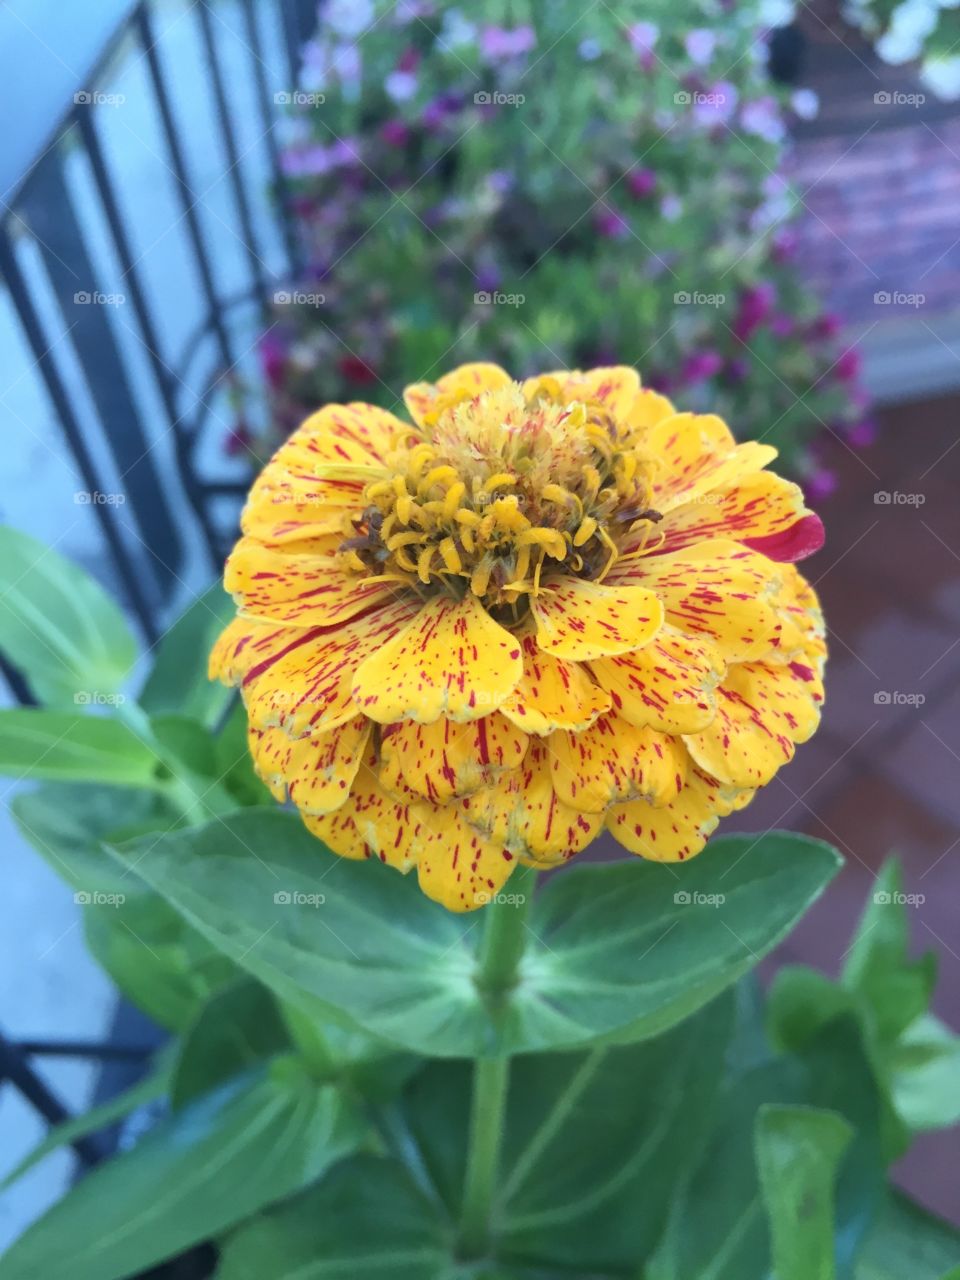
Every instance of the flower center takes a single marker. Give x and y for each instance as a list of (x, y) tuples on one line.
[(499, 492)]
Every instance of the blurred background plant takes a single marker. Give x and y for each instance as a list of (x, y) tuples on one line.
[(641, 219), (924, 30)]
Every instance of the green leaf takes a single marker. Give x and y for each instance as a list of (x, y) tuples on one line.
[(585, 1135), (612, 955), (907, 1243), (234, 765), (187, 742), (878, 968), (366, 1221), (159, 961), (248, 1144), (148, 1089), (66, 823), (924, 1068), (178, 680), (800, 1003), (798, 1152), (58, 626), (63, 746), (717, 1226), (237, 1028)]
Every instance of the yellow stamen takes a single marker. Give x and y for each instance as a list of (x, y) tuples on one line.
[(499, 481), (586, 531), (480, 578), (423, 564), (452, 501), (450, 556)]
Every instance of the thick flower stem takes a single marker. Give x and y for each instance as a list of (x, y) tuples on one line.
[(501, 950)]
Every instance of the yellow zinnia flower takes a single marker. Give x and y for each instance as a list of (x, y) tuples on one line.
[(542, 609)]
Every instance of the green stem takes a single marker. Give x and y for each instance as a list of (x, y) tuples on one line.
[(501, 950)]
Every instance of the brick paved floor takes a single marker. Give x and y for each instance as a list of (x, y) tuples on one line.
[(878, 176)]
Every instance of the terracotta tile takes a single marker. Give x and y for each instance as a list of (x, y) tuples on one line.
[(875, 673), (873, 816), (927, 761)]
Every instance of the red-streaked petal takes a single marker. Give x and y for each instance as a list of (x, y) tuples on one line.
[(444, 759), (553, 694), (668, 684), (299, 590), (304, 685), (613, 761), (762, 713), (524, 814), (580, 620), (453, 660)]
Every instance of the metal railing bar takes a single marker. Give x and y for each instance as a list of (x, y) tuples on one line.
[(233, 156), (20, 296), (265, 100), (184, 191), (121, 242), (50, 212), (15, 1068), (85, 1049)]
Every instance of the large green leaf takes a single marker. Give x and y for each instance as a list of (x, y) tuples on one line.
[(586, 1136), (907, 1243), (616, 952), (64, 746), (366, 1221), (237, 1028), (58, 626), (798, 1152), (717, 1226), (178, 682), (248, 1144)]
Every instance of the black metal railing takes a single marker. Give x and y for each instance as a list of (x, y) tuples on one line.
[(57, 65), (81, 47)]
